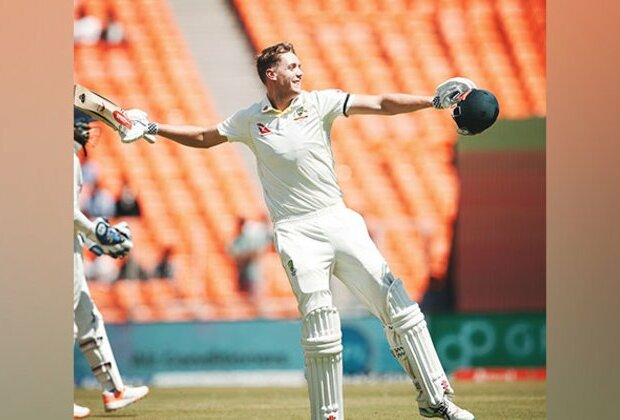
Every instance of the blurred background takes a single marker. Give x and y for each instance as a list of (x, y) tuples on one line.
[(203, 299)]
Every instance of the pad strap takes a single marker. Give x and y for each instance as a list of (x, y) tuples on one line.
[(99, 355)]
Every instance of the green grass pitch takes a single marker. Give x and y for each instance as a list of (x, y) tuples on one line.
[(493, 400)]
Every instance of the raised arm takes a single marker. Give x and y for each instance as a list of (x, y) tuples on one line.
[(388, 104)]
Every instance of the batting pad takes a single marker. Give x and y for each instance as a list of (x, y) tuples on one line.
[(412, 346), (322, 344), (98, 352)]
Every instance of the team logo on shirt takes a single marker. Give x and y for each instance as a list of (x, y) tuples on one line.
[(263, 129), (300, 113)]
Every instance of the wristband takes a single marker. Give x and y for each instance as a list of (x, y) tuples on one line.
[(152, 128)]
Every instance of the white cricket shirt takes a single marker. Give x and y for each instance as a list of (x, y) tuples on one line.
[(293, 150), (80, 221), (77, 187)]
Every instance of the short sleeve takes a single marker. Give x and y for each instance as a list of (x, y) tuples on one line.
[(236, 127), (332, 103)]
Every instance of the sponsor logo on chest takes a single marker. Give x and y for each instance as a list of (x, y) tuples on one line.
[(262, 128), (280, 124)]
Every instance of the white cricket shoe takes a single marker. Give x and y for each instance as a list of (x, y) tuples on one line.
[(119, 399), (446, 410), (80, 412)]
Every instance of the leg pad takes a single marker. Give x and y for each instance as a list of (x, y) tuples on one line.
[(412, 346), (322, 345)]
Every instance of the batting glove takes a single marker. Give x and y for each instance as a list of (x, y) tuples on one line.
[(139, 127), (91, 245), (123, 228), (96, 249), (114, 241), (451, 92), (144, 119)]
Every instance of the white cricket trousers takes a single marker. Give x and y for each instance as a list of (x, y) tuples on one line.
[(89, 328), (333, 240), (85, 312)]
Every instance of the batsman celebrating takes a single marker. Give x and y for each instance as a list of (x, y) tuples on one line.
[(315, 234), (88, 326)]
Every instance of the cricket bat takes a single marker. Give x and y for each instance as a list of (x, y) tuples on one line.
[(102, 109)]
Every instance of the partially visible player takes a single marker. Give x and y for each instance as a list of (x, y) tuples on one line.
[(316, 235), (88, 327)]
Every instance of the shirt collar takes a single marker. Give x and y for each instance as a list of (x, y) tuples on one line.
[(265, 104)]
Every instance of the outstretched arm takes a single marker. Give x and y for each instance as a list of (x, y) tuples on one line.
[(187, 135), (388, 104), (234, 128), (447, 94), (191, 135)]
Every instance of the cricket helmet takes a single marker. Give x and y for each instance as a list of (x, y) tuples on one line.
[(476, 112), (81, 127)]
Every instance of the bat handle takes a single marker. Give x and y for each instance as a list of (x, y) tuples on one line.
[(150, 138)]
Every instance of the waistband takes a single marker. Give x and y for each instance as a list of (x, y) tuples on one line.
[(311, 214)]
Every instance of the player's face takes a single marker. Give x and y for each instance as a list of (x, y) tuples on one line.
[(289, 74)]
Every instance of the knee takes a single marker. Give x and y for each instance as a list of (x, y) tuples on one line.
[(401, 313), (309, 302), (87, 322), (321, 332)]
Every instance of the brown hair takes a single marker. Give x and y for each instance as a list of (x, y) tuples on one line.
[(270, 56)]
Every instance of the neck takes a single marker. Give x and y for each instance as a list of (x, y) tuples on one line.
[(280, 101)]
